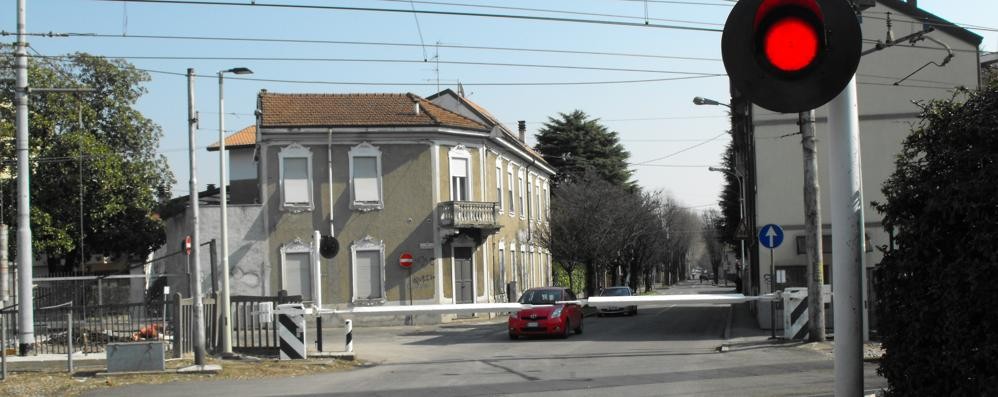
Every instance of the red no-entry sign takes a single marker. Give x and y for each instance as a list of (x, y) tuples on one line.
[(187, 245), (405, 260)]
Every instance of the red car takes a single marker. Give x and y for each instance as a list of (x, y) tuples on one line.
[(557, 319)]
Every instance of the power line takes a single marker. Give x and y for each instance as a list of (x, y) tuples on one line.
[(494, 84), (592, 14), (370, 43), (697, 3), (932, 23), (670, 165), (385, 60), (682, 150), (449, 13)]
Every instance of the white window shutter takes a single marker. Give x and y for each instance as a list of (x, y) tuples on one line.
[(296, 180), (365, 179), (368, 275)]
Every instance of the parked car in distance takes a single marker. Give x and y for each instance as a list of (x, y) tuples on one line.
[(618, 291), (558, 319)]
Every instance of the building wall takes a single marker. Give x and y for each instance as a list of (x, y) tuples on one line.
[(886, 116), (249, 271), (403, 223)]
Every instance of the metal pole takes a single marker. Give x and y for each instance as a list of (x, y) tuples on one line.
[(318, 332), (192, 120), (223, 207), (4, 265), (26, 309), (349, 336), (846, 192), (3, 346), (812, 230), (69, 333), (772, 303)]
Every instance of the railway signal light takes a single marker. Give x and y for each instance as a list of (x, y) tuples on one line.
[(791, 55)]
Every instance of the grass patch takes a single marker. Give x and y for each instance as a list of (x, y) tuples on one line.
[(59, 383)]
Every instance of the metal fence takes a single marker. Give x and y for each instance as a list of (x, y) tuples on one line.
[(93, 326), (248, 332)]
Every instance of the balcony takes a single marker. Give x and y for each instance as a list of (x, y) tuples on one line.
[(469, 215)]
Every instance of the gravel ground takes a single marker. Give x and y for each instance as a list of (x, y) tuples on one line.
[(59, 383)]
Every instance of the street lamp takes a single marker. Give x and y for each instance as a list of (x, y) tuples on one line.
[(741, 201), (705, 101), (223, 208)]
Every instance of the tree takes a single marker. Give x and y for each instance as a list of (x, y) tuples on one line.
[(730, 199), (936, 294), (575, 142), (711, 224), (95, 143)]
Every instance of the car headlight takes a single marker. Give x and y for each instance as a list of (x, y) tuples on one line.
[(557, 312)]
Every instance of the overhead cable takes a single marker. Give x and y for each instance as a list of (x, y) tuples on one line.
[(449, 13)]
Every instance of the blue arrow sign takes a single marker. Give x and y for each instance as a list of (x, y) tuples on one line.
[(771, 236)]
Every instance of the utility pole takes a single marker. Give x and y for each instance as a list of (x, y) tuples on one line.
[(25, 255), (812, 230), (847, 239), (192, 121)]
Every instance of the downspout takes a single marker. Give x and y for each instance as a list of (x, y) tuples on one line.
[(329, 164)]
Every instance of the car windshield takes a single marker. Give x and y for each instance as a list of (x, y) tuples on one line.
[(540, 296), (621, 291)]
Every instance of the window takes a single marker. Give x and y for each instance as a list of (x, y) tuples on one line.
[(523, 199), (537, 200), (365, 177), (530, 196), (296, 181), (296, 269), (368, 258), (510, 183), (499, 183), (501, 278), (460, 159)]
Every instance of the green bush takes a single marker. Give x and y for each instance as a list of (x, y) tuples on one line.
[(938, 286)]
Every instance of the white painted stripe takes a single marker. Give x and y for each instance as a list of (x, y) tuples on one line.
[(289, 338)]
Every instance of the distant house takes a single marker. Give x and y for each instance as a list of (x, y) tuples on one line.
[(889, 81), (386, 174)]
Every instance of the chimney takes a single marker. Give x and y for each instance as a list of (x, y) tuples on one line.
[(522, 126), (416, 108)]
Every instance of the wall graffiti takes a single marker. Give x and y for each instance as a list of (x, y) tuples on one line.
[(424, 281)]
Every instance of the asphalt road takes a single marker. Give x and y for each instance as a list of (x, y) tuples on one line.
[(663, 351)]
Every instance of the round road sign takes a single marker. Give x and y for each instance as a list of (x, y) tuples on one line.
[(187, 245), (405, 260)]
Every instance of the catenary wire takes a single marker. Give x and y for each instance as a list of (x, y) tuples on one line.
[(448, 13)]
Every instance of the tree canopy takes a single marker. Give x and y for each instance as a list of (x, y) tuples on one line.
[(574, 142), (937, 318), (95, 144)]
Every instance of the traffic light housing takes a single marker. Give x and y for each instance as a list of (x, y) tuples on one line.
[(791, 56)]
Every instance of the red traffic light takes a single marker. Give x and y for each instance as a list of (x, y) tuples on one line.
[(781, 55), (790, 44)]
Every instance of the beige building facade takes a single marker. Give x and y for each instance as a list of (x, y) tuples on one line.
[(438, 179)]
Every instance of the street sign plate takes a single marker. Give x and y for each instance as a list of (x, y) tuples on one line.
[(771, 236), (405, 260)]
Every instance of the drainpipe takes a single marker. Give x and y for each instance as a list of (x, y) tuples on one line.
[(329, 163)]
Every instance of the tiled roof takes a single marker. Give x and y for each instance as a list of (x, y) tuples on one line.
[(245, 137), (356, 110)]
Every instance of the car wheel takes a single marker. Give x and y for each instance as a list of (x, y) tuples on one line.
[(578, 330), (567, 330)]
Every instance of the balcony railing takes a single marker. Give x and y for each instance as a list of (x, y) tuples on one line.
[(469, 214)]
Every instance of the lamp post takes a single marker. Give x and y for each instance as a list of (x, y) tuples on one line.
[(741, 200), (223, 208)]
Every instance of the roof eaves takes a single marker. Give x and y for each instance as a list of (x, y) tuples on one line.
[(937, 22)]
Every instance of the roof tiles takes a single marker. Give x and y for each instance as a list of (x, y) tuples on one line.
[(356, 110)]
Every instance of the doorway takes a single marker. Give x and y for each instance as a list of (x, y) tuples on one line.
[(464, 276)]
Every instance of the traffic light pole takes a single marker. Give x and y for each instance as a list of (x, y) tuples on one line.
[(846, 193)]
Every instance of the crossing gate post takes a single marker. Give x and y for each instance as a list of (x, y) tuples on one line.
[(291, 331), (795, 313), (349, 336)]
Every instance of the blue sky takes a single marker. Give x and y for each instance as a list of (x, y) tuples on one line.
[(654, 119)]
